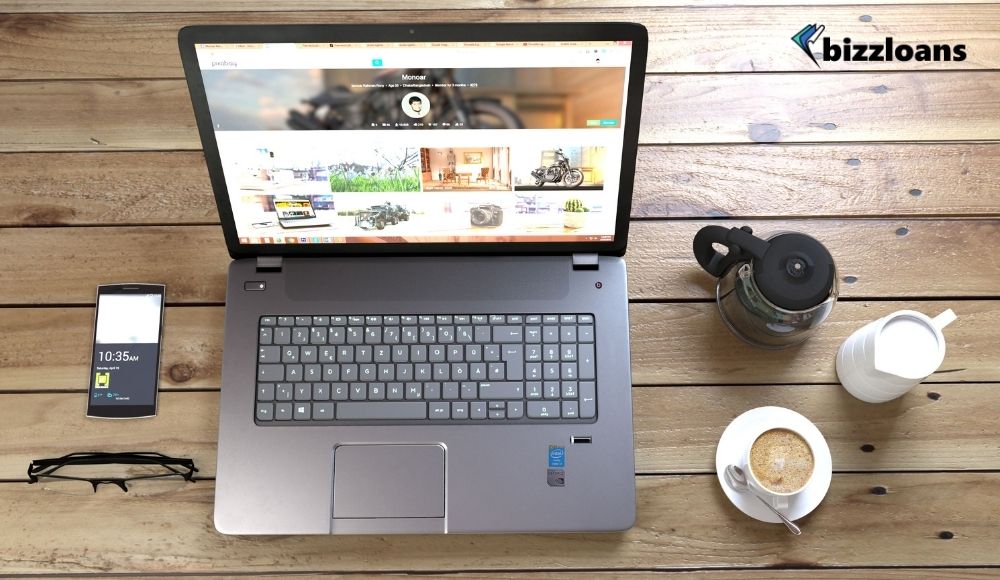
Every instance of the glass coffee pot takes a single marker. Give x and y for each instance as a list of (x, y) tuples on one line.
[(772, 292)]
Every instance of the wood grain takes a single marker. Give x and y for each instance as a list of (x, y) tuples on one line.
[(682, 40), (594, 6), (672, 344), (676, 429), (956, 258), (677, 109), (746, 574), (817, 180), (683, 521), (931, 179)]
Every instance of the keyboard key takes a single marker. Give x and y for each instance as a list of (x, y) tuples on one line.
[(436, 353), (568, 352), (322, 411), (270, 373), (355, 335), (283, 411), (550, 318), (498, 414), (533, 334), (283, 392), (354, 320), (569, 410), (303, 391), (307, 354), (282, 335), (491, 353), (381, 410), (422, 372), (321, 320), (432, 391), (569, 389), (339, 391), (567, 333), (290, 354), (551, 389), (443, 319), (300, 335), (459, 410), (414, 390), (373, 320), (477, 410), (543, 410), (508, 334), (470, 390), (449, 390), (286, 321), (532, 353), (461, 319), (585, 334), (317, 335), (373, 335), (550, 334), (585, 319), (303, 411), (381, 353), (533, 319), (513, 356), (303, 320), (395, 391), (586, 358), (533, 371), (568, 319), (418, 353), (446, 334), (338, 320), (439, 410), (269, 354), (390, 320), (265, 411), (376, 391), (266, 336), (336, 335), (534, 390), (497, 318), (265, 392), (358, 391), (321, 391), (501, 390), (482, 334), (331, 372), (588, 403), (568, 371), (268, 320), (497, 371), (515, 319), (550, 371), (409, 319), (515, 410)]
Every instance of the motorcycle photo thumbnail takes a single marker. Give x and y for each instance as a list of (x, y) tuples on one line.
[(559, 168)]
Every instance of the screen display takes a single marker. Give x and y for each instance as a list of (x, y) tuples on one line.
[(420, 142), (126, 349)]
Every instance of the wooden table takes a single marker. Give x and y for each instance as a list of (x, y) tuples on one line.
[(895, 166)]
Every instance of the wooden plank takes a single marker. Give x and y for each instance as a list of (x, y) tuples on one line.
[(693, 39), (955, 259), (689, 344), (62, 6), (735, 108), (157, 187), (191, 356), (683, 521), (828, 108), (672, 344), (676, 428), (759, 574), (817, 180)]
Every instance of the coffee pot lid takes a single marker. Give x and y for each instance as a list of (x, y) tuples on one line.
[(796, 272), (793, 271)]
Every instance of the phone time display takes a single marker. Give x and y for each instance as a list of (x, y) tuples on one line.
[(116, 356)]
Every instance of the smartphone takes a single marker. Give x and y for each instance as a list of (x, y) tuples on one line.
[(125, 369)]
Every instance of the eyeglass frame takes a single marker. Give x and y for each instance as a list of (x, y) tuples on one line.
[(37, 467)]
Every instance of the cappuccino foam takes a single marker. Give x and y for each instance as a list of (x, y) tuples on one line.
[(781, 461)]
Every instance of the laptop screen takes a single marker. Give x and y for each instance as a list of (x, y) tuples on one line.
[(420, 142)]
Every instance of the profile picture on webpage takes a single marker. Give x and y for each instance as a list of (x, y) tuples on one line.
[(416, 105)]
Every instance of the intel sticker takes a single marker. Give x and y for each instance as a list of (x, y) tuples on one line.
[(557, 456)]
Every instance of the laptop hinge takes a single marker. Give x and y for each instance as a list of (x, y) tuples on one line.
[(268, 263), (585, 261)]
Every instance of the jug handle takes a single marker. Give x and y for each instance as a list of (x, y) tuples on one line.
[(741, 243)]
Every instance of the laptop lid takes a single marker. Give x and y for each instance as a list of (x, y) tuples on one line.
[(426, 139)]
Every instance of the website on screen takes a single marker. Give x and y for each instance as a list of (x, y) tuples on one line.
[(419, 142)]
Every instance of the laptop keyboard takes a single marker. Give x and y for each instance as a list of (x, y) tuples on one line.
[(410, 369)]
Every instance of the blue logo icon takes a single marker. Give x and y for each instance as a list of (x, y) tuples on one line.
[(376, 62), (807, 36), (557, 456)]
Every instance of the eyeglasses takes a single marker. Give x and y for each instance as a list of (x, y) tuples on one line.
[(141, 473)]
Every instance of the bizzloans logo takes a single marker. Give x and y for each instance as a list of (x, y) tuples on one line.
[(887, 52)]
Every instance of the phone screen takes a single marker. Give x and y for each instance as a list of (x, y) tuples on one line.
[(126, 358)]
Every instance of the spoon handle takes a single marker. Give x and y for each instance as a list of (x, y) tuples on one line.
[(788, 523)]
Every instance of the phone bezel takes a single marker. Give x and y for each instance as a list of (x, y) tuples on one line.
[(113, 411)]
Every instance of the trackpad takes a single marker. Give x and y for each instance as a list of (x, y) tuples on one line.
[(388, 481)]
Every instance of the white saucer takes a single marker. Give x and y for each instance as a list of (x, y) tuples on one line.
[(733, 444)]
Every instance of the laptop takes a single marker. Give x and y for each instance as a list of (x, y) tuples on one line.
[(297, 213), (443, 356)]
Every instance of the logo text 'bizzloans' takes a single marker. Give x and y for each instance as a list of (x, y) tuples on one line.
[(886, 52)]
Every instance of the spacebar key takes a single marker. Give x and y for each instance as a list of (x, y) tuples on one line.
[(355, 411)]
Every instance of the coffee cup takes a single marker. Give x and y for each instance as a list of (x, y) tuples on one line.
[(886, 358), (779, 463)]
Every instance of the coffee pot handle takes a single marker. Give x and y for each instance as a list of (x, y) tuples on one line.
[(742, 244)]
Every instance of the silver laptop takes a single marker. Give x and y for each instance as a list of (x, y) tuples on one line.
[(449, 351), (297, 213)]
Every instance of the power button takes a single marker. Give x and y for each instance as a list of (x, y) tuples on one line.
[(254, 285)]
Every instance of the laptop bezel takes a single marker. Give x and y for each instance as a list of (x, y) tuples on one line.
[(190, 36)]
